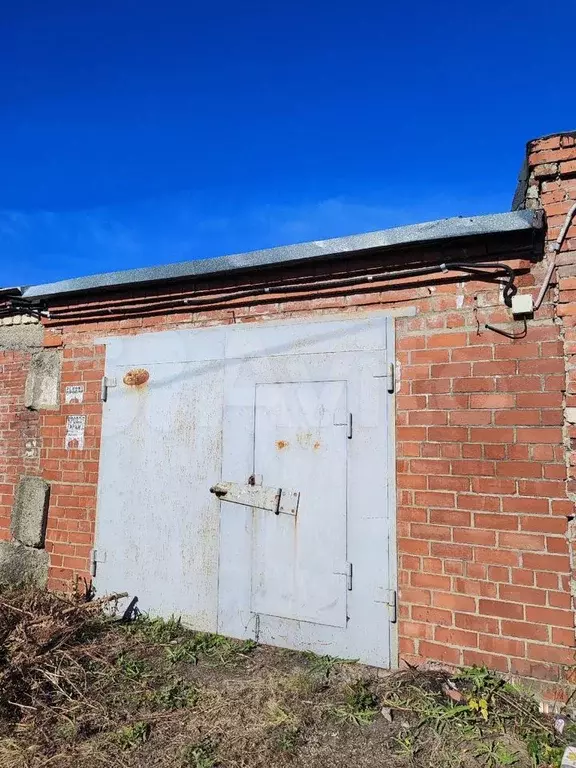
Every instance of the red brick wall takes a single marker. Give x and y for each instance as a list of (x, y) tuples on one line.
[(482, 446), (18, 428), (73, 473)]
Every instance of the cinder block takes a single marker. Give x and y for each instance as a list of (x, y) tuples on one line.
[(22, 565), (30, 511), (42, 391)]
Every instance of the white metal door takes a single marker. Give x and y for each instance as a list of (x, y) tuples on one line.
[(157, 523), (299, 561), (305, 406), (308, 408)]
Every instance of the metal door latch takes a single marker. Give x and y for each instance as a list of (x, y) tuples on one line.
[(277, 500)]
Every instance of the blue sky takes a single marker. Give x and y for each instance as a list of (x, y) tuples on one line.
[(137, 133)]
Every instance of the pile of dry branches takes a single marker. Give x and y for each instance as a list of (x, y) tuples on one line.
[(42, 646)]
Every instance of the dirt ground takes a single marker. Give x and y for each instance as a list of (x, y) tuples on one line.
[(78, 689)]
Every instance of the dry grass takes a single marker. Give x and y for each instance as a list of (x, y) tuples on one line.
[(79, 689)]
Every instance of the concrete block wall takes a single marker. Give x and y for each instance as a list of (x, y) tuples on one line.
[(484, 440), (23, 494)]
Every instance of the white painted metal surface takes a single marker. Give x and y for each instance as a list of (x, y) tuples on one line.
[(298, 562), (216, 407)]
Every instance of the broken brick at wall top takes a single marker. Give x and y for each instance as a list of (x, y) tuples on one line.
[(484, 430)]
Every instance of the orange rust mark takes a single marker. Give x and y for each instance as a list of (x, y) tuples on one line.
[(316, 445), (136, 377), (281, 444)]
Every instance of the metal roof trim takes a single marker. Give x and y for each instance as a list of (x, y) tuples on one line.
[(426, 232)]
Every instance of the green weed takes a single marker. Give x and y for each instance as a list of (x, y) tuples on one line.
[(288, 739), (155, 630), (132, 736), (361, 705), (214, 648), (324, 665), (130, 667), (175, 695), (199, 755), (494, 754)]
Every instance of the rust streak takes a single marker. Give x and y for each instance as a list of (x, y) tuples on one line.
[(281, 444)]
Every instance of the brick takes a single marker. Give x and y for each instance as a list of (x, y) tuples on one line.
[(430, 581), (492, 401), (517, 417), (565, 637), (550, 654), (539, 435), (528, 630), (431, 532), (492, 435), (477, 588), (447, 434), (496, 522), (474, 536), (458, 637), (521, 541), (477, 502), (525, 595), (473, 418), (472, 353), (431, 615), (539, 670), (446, 340), (459, 551), (446, 483), (427, 417), (504, 646), (492, 556), (523, 577), (493, 485), (414, 629), (439, 652), (452, 602), (519, 469), (555, 563), (525, 505), (469, 468), (415, 596), (51, 340), (503, 609), (480, 658), (435, 499), (552, 616)]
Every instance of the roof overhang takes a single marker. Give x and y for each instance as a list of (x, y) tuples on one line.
[(417, 234)]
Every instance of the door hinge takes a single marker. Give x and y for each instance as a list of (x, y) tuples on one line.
[(345, 570), (344, 419), (390, 378), (107, 382), (349, 572), (393, 605), (98, 556)]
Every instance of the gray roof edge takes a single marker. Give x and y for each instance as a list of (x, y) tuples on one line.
[(426, 232)]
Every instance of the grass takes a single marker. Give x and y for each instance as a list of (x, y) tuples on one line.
[(153, 693)]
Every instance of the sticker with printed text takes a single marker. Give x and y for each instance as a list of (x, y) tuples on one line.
[(75, 426), (74, 393)]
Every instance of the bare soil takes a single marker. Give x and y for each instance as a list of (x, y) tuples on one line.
[(79, 689)]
